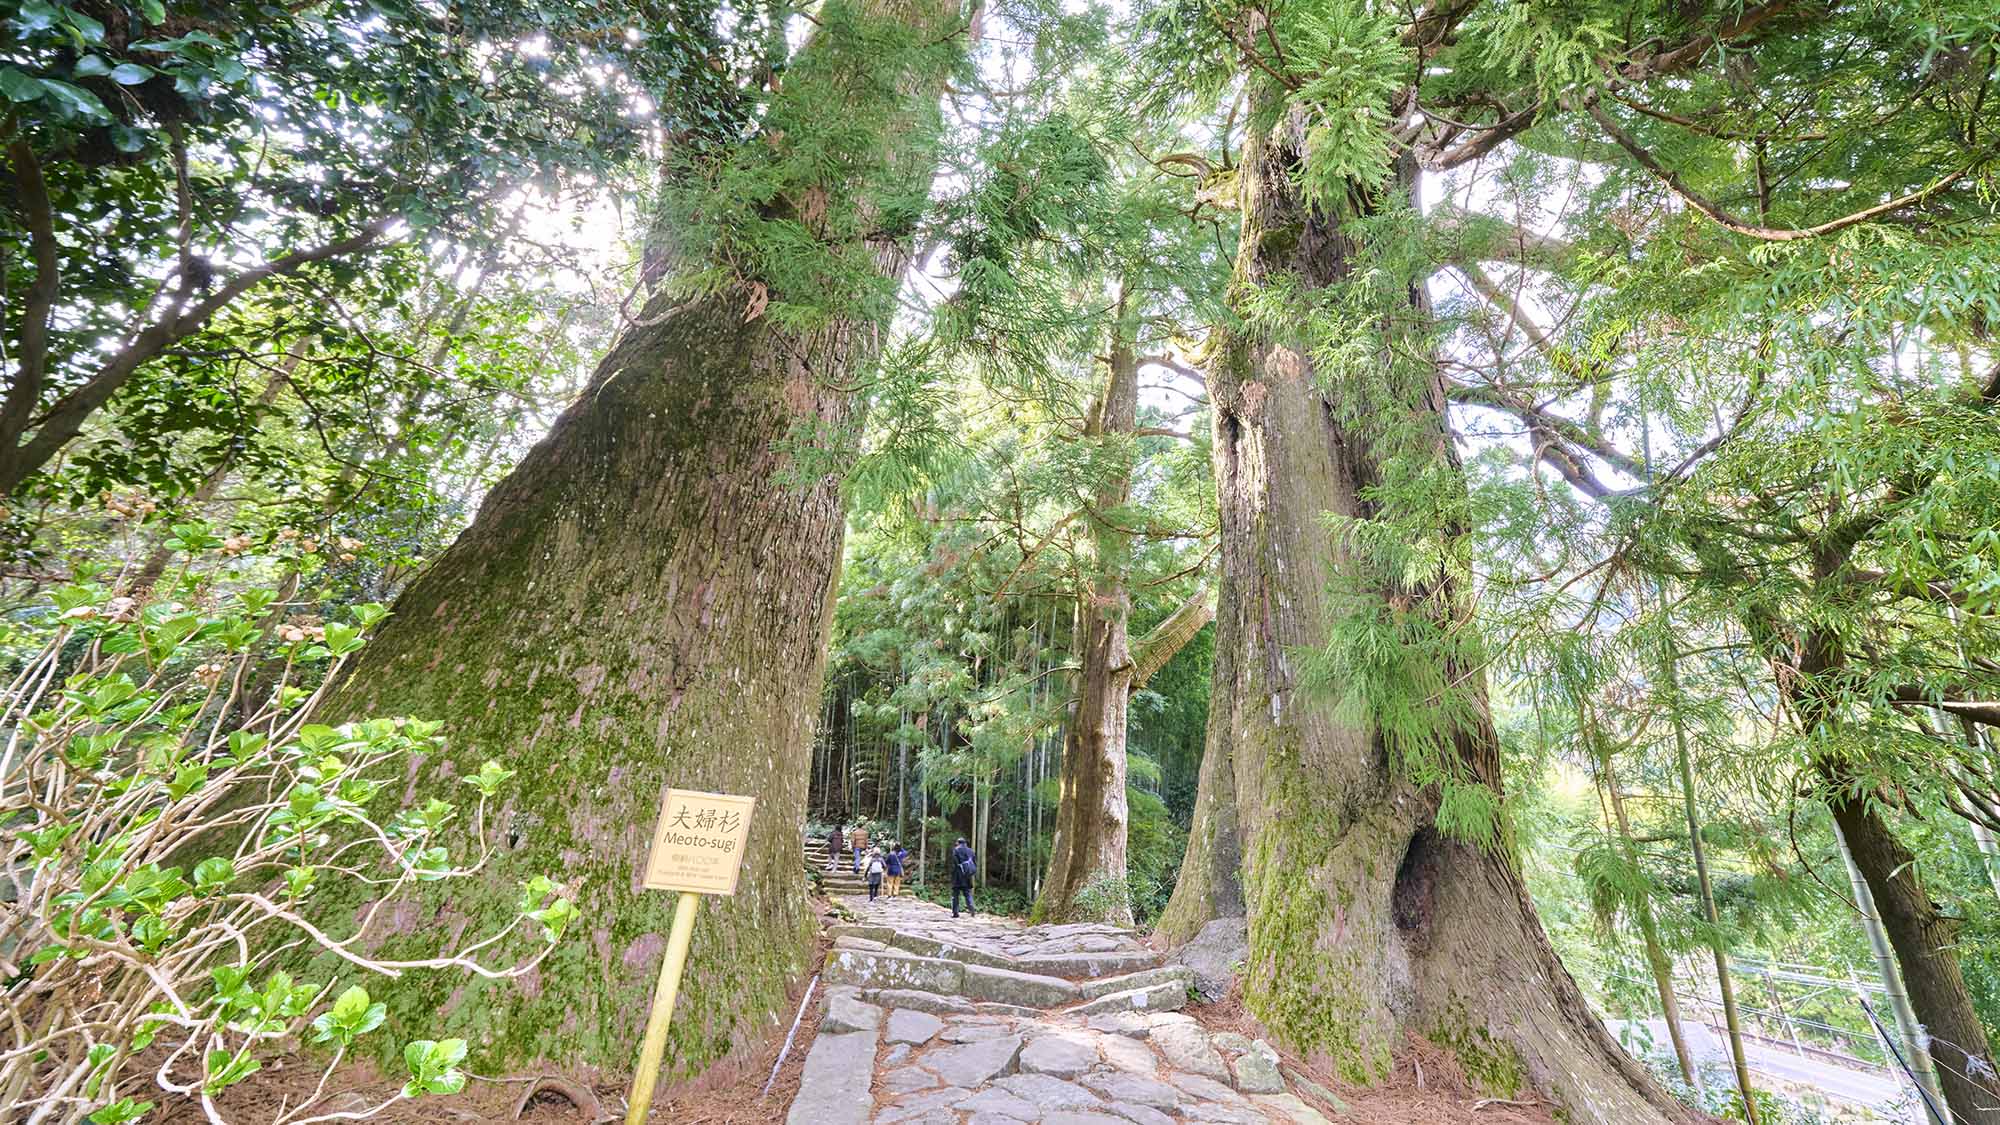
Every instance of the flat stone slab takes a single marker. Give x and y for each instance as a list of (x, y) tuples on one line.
[(1059, 1054), (845, 1013), (1078, 965), (1129, 1055), (935, 1003), (974, 1032), (994, 1100), (1177, 975), (908, 1025), (1205, 1088), (1139, 1114), (833, 1087), (878, 970), (1028, 990), (1186, 1048), (972, 1064), (907, 1079), (924, 946), (916, 1106), (1129, 1024), (1166, 996), (1049, 1092), (1137, 1089), (1256, 1071)]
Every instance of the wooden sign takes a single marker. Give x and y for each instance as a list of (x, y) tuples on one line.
[(699, 842)]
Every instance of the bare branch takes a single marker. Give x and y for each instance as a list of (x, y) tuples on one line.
[(65, 419)]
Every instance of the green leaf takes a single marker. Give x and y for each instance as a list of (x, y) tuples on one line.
[(36, 15), (213, 874), (91, 66), (154, 10), (131, 74), (20, 86), (75, 100), (83, 28), (222, 1073), (120, 1112), (349, 1005)]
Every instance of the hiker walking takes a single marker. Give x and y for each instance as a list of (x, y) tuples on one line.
[(876, 866), (893, 860), (833, 838), (961, 876), (858, 843)]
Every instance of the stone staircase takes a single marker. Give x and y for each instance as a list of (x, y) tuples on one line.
[(935, 1020), (841, 880)]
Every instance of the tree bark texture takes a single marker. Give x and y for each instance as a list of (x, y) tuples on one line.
[(1925, 942), (1367, 925), (643, 603), (1810, 663), (1086, 878)]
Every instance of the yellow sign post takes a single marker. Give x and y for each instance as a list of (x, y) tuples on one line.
[(697, 849)]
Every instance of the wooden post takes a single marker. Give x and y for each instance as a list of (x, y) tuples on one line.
[(655, 1043), (698, 848)]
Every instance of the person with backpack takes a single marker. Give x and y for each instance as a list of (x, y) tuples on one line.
[(962, 870), (833, 838), (876, 866), (894, 859)]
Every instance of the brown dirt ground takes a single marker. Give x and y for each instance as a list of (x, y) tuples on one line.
[(1426, 1089)]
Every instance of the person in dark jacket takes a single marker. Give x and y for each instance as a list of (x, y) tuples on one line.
[(962, 869), (833, 838), (894, 859)]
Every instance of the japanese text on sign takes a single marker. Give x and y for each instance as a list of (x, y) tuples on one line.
[(699, 842)]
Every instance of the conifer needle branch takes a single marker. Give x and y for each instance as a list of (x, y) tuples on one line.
[(1728, 221)]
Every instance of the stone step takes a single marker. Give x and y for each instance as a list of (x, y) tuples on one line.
[(1068, 966), (853, 962)]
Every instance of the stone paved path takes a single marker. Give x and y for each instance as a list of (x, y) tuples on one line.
[(931, 1020)]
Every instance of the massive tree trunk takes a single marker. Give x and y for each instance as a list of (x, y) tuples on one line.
[(1367, 924), (644, 602), (1086, 878)]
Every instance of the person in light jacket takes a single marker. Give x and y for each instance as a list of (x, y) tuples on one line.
[(858, 844), (874, 866), (962, 869)]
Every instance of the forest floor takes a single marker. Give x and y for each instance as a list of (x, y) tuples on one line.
[(1427, 1088)]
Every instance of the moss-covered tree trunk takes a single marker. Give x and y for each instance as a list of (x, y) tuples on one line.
[(1086, 877), (1367, 924), (644, 602)]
